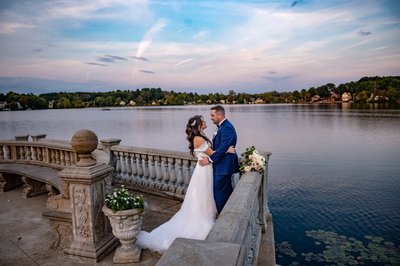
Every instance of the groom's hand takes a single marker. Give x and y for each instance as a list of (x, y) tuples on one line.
[(204, 161)]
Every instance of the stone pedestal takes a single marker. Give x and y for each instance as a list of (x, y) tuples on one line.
[(106, 145), (92, 235), (32, 187), (37, 137), (91, 231), (21, 137), (9, 181)]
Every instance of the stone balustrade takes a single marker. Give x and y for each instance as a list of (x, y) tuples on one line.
[(154, 171), (49, 153), (237, 233), (235, 238)]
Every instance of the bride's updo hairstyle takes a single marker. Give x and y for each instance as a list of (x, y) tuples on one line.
[(193, 129)]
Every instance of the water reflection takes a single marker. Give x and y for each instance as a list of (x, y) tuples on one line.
[(333, 167)]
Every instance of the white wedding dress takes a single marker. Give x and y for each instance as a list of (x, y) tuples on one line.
[(196, 215)]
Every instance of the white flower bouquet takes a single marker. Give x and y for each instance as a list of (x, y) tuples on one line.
[(122, 200), (252, 161)]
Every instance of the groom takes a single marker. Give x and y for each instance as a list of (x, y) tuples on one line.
[(224, 164)]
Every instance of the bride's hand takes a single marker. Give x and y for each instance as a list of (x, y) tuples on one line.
[(231, 150)]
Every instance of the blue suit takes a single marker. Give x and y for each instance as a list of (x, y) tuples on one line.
[(224, 164)]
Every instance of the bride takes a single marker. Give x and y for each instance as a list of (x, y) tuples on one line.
[(198, 211)]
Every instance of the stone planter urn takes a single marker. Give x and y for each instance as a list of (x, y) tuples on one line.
[(125, 226)]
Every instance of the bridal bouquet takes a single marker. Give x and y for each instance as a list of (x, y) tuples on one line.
[(122, 200), (252, 161)]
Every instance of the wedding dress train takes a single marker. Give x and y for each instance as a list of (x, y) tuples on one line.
[(196, 215)]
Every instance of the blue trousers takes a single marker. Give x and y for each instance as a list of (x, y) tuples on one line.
[(222, 186)]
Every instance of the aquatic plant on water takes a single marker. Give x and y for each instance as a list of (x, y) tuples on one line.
[(343, 250)]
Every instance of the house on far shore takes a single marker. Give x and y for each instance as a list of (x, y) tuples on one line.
[(334, 97), (346, 97), (3, 105), (259, 101), (315, 99)]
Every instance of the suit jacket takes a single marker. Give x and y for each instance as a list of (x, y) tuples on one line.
[(225, 163)]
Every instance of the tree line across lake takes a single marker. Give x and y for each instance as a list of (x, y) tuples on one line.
[(367, 89)]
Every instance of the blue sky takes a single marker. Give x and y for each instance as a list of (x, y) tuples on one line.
[(197, 46)]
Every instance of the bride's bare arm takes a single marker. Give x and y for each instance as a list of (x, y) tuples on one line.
[(197, 141)]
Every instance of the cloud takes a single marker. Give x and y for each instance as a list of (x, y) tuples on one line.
[(140, 58), (147, 71), (363, 33), (149, 35), (295, 3), (38, 50), (200, 35), (13, 26), (275, 79), (272, 72), (95, 64), (110, 58), (184, 61), (39, 85), (116, 57)]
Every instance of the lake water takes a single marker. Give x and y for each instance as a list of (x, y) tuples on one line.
[(334, 168)]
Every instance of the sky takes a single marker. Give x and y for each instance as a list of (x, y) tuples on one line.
[(195, 46)]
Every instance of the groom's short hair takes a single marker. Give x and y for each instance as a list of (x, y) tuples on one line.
[(219, 109)]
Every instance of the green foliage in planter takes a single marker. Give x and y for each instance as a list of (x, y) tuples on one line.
[(122, 200)]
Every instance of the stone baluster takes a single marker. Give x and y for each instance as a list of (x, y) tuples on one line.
[(53, 156), (21, 152), (152, 171), (140, 168), (187, 174), (34, 155), (146, 173), (58, 159), (62, 158), (159, 172), (128, 167), (91, 234), (39, 154), (1, 152), (67, 158), (118, 165), (7, 153), (134, 168), (172, 175), (28, 152), (165, 173), (179, 188), (123, 166), (46, 155)]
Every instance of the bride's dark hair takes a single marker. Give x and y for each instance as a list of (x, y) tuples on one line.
[(193, 129)]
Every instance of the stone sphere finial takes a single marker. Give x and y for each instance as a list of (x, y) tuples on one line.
[(84, 142)]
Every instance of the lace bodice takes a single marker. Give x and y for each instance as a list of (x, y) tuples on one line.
[(200, 151)]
